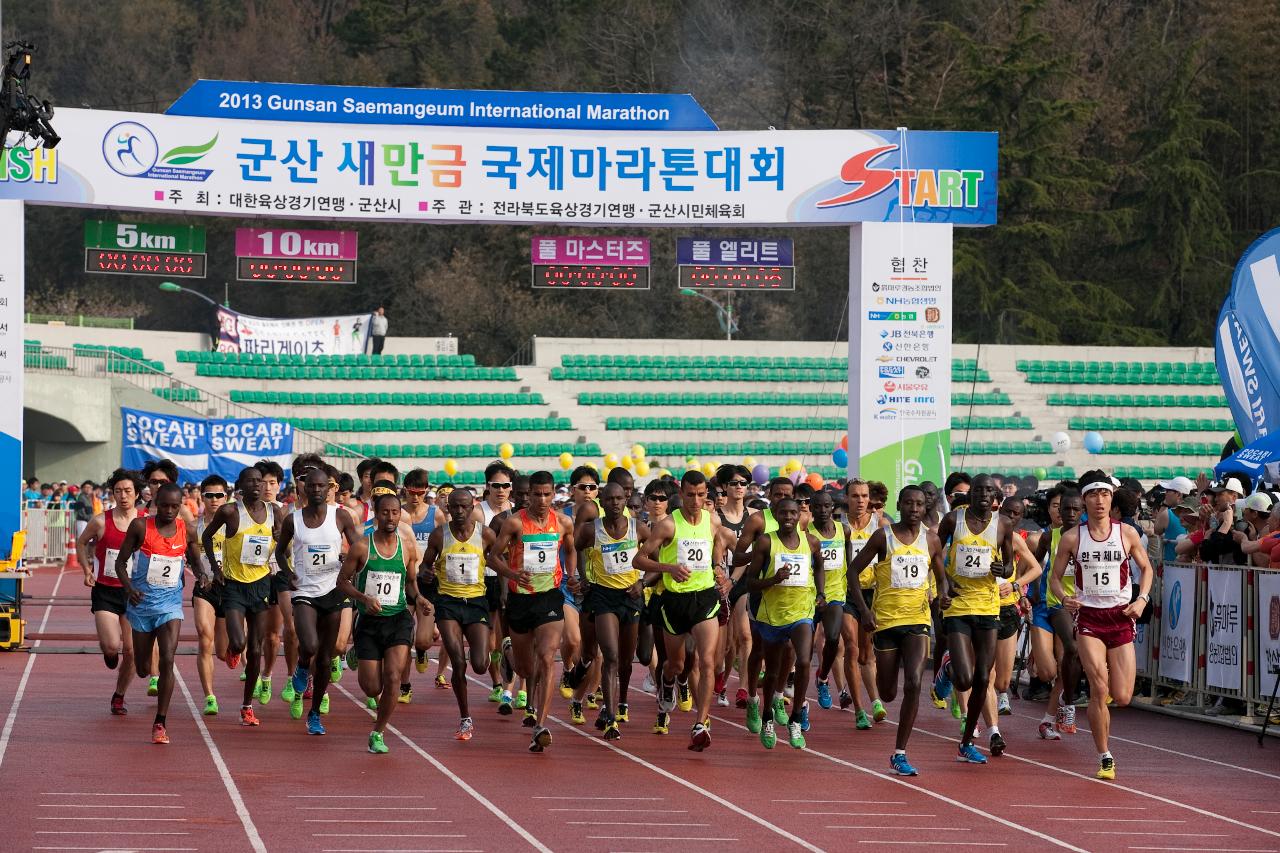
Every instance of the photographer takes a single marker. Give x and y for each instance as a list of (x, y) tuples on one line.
[(1219, 546)]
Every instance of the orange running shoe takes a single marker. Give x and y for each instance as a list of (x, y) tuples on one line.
[(247, 717), (233, 661), (158, 734)]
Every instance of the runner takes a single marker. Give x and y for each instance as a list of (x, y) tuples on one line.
[(153, 586), (501, 670), (460, 552), (787, 569), (860, 668), (1104, 611), (499, 496), (424, 517), (584, 485), (904, 556), (650, 650), (734, 479), (613, 598), (686, 549), (384, 589), (537, 541), (155, 474), (979, 559), (97, 547), (1060, 713), (280, 613), (206, 599), (309, 548), (836, 615), (249, 526)]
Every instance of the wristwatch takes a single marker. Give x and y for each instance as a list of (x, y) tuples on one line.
[(1146, 596)]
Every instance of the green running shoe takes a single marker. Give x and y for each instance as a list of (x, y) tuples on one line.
[(210, 706), (495, 695), (324, 704), (956, 711), (522, 699), (153, 686), (863, 722), (264, 690), (878, 713), (287, 692), (768, 737), (779, 711), (244, 676), (295, 706), (376, 744), (371, 702), (753, 715), (796, 735), (335, 669)]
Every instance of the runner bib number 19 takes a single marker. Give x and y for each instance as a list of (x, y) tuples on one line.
[(908, 571)]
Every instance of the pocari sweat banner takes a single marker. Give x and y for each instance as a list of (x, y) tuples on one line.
[(203, 446), (1247, 340)]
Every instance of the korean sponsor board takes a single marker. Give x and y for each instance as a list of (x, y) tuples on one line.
[(1224, 650), (1267, 621), (343, 335), (1177, 623)]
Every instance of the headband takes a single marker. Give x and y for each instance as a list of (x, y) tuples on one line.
[(1100, 484)]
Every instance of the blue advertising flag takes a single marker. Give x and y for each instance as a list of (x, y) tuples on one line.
[(203, 446), (1247, 341)]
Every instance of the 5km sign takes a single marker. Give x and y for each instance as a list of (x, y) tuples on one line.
[(275, 254), (144, 248)]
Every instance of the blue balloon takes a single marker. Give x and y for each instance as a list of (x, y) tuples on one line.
[(840, 457), (1093, 442), (760, 474)]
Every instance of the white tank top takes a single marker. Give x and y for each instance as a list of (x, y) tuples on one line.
[(316, 554), (1102, 569)]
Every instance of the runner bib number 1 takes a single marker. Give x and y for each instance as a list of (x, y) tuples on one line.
[(164, 572), (383, 586), (462, 568)]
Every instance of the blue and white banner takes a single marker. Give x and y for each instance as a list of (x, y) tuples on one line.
[(451, 107), (1177, 623), (1247, 341), (345, 335), (203, 446)]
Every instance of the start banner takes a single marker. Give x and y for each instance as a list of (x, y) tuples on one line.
[(344, 335), (203, 446)]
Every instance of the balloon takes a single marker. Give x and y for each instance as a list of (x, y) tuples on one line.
[(1061, 442), (793, 464), (760, 474), (505, 450), (637, 451), (642, 467), (708, 469), (593, 466), (627, 462), (815, 480), (611, 460), (450, 467), (840, 457), (796, 476), (1041, 473), (1093, 442), (566, 461), (749, 461), (844, 443)]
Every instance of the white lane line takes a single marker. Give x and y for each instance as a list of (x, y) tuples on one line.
[(376, 835), (99, 848), (655, 838), (906, 828), (847, 802), (456, 779), (1111, 786), (99, 794), (1215, 849), (129, 819), (7, 731), (1116, 819), (627, 823), (353, 796), (1147, 832), (103, 806), (370, 808), (348, 820), (1092, 807), (947, 843), (628, 811), (1178, 753), (1260, 811), (105, 832), (865, 814), (651, 799), (396, 850), (237, 801)]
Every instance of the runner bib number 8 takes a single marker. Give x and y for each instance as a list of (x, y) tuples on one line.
[(908, 571), (164, 572), (462, 568), (1102, 579), (254, 550), (540, 557), (383, 586), (694, 553), (799, 565), (973, 561), (618, 557)]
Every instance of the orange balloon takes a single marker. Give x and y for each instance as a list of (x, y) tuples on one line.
[(844, 442), (815, 480)]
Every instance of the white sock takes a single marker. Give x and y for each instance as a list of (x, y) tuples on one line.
[(899, 752), (1003, 697), (994, 730), (1102, 755), (1048, 718)]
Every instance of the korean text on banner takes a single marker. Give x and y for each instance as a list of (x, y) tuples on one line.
[(344, 335), (203, 446), (1224, 657), (1177, 624), (1267, 621)]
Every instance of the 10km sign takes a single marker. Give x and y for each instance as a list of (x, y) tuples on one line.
[(283, 255)]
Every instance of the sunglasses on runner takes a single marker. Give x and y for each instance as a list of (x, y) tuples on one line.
[(662, 498), (587, 487), (415, 491), (213, 496), (802, 500), (157, 481), (499, 485), (740, 484)]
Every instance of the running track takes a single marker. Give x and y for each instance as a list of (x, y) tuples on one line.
[(78, 779)]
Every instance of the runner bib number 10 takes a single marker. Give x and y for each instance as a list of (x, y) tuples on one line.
[(383, 586)]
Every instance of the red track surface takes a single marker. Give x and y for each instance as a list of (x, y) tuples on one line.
[(76, 778)]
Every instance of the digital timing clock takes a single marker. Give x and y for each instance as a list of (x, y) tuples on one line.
[(737, 278), (129, 262), (604, 276), (295, 269)]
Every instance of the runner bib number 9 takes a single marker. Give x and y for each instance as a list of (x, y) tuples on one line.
[(164, 572), (383, 586), (973, 561), (540, 557)]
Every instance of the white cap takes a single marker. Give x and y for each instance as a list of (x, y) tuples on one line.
[(1231, 484), (1181, 485), (1259, 502)]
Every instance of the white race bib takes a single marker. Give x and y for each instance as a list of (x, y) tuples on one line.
[(383, 586), (799, 565), (1101, 579), (322, 560), (1070, 570), (164, 572), (109, 563), (908, 571), (462, 568), (694, 554), (540, 557), (618, 557), (973, 561), (254, 550), (832, 559), (855, 547)]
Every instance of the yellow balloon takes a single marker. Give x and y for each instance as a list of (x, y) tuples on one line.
[(642, 468), (566, 461), (637, 451), (708, 468), (450, 467), (749, 461), (628, 462), (593, 466), (611, 460), (793, 464), (506, 451), (692, 463)]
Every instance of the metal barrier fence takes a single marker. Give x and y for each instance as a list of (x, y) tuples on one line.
[(48, 532)]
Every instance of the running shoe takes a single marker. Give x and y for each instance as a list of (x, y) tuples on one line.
[(753, 715), (649, 685), (722, 700), (466, 729), (306, 694), (335, 669), (295, 706), (846, 699), (594, 700), (352, 662), (565, 690), (371, 702), (573, 676), (505, 704), (602, 720), (954, 707), (287, 692), (721, 678), (314, 726), (938, 701), (878, 713), (686, 696), (233, 661), (768, 737), (779, 711), (405, 697), (1048, 732), (530, 720), (796, 734), (699, 737), (790, 689), (824, 695), (575, 714), (942, 680), (1106, 768), (902, 767), (1067, 719), (863, 722), (324, 704), (667, 698), (244, 676), (441, 682), (263, 694), (998, 745), (117, 706), (420, 661), (153, 686), (969, 754), (376, 744), (804, 716), (158, 734), (740, 699), (663, 724), (248, 718), (624, 713), (495, 695), (541, 739), (522, 699), (1003, 707), (611, 731), (299, 683), (210, 706), (508, 673)]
